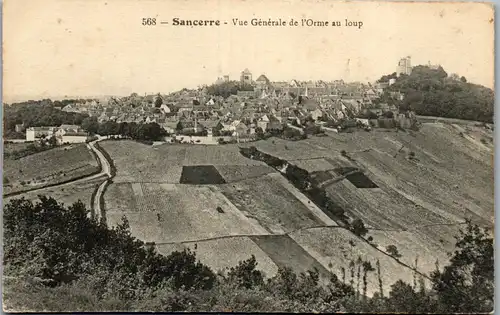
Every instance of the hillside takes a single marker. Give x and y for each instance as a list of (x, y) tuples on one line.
[(57, 165), (431, 92), (54, 253), (425, 185)]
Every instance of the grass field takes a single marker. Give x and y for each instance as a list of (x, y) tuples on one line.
[(271, 204), (234, 173), (67, 194), (222, 254), (176, 213), (11, 147), (48, 167)]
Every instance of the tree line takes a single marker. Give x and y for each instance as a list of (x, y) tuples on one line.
[(137, 131), (226, 89), (431, 92), (37, 114), (55, 253)]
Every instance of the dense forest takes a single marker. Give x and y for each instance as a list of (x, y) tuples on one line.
[(226, 89), (432, 92), (54, 253), (36, 114)]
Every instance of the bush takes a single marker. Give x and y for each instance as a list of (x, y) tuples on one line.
[(358, 228), (393, 251)]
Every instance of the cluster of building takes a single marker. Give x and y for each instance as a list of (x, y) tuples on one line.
[(266, 105), (62, 134)]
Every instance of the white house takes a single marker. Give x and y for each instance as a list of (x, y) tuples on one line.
[(36, 133)]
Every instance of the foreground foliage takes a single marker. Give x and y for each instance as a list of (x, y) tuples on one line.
[(54, 253)]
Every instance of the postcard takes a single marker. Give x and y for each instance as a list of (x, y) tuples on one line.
[(248, 156)]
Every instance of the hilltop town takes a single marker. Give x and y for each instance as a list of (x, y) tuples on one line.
[(242, 110)]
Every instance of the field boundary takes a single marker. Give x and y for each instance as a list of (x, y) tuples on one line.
[(67, 181), (413, 269)]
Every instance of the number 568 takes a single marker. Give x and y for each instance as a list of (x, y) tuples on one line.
[(148, 21)]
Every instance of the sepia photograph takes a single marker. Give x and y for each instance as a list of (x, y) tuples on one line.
[(303, 156)]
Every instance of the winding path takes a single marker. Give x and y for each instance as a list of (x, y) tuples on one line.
[(105, 170)]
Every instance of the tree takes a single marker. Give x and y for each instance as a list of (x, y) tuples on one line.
[(467, 284), (91, 125), (393, 251), (179, 127), (52, 141), (403, 299), (246, 275), (158, 101), (454, 77), (358, 228), (259, 133)]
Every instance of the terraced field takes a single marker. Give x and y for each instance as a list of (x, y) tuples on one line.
[(419, 203), (136, 162), (451, 175), (48, 167), (222, 254), (416, 204), (285, 252), (177, 213), (271, 204), (336, 248)]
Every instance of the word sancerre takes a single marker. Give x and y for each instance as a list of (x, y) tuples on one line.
[(180, 22)]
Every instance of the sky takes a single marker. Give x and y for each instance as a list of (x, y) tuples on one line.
[(54, 48)]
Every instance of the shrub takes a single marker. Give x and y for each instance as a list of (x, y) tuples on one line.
[(246, 275), (358, 228), (393, 251)]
